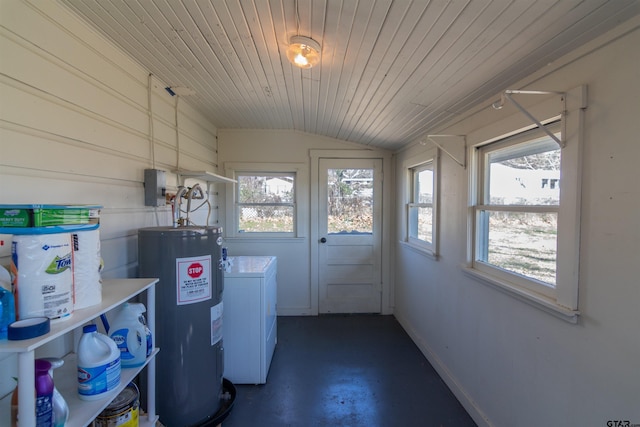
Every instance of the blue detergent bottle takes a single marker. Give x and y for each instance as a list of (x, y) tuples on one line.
[(7, 311)]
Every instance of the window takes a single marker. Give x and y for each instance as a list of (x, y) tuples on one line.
[(421, 203), (420, 207), (525, 218), (517, 216), (265, 202)]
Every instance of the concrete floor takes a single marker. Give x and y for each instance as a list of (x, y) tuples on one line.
[(347, 370)]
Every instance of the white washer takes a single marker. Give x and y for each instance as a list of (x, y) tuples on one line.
[(249, 319)]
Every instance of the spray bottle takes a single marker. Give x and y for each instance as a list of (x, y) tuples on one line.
[(60, 407)]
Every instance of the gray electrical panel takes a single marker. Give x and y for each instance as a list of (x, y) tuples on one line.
[(154, 187)]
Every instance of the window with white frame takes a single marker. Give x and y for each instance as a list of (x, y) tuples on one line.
[(421, 202), (524, 214), (266, 203), (516, 216), (420, 207)]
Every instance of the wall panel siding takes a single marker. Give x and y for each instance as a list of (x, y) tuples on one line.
[(64, 122), (509, 363), (74, 128)]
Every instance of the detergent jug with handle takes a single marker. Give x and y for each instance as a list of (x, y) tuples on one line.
[(130, 335)]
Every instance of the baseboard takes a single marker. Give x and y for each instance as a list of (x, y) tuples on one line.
[(296, 312), (463, 397)]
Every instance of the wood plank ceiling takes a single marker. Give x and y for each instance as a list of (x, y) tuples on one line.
[(391, 70)]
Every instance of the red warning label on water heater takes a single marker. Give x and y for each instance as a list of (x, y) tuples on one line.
[(193, 279), (195, 270)]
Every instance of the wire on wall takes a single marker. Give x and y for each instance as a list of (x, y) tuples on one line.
[(152, 148), (177, 134)]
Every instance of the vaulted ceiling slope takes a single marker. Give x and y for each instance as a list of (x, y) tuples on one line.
[(391, 70)]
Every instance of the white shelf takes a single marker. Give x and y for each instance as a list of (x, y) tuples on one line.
[(81, 413), (205, 176), (65, 379), (114, 293)]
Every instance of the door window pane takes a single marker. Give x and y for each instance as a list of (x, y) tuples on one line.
[(350, 201)]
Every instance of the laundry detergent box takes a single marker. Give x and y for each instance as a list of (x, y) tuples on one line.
[(48, 215), (15, 217)]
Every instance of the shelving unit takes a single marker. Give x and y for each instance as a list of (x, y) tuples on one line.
[(81, 413)]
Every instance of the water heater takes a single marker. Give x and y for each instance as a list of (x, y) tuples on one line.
[(189, 366)]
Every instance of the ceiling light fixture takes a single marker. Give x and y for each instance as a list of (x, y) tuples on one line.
[(303, 52)]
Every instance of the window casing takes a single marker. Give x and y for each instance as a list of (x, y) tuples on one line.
[(567, 109), (559, 297)]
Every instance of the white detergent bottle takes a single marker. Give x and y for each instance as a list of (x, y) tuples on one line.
[(129, 335), (141, 309), (98, 364)]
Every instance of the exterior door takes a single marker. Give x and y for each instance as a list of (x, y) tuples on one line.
[(349, 230)]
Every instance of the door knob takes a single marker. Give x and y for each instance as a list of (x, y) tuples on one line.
[(323, 240)]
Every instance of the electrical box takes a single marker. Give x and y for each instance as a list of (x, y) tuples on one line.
[(154, 187)]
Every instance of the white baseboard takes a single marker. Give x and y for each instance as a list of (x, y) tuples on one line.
[(463, 397), (296, 312)]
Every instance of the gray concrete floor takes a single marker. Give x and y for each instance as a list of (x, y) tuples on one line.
[(347, 370)]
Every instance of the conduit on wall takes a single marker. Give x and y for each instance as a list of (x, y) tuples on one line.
[(152, 148), (177, 134)]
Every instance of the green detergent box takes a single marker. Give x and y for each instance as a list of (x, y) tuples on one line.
[(24, 216)]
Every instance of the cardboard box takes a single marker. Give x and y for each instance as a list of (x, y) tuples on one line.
[(48, 215)]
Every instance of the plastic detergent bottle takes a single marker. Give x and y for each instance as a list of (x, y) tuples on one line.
[(44, 394), (98, 364), (60, 407), (7, 311), (146, 330), (130, 335)]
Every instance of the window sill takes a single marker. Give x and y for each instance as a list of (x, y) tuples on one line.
[(420, 250), (538, 301)]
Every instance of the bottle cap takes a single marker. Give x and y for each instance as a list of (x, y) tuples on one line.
[(89, 328)]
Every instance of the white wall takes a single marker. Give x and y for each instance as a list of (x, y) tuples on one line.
[(74, 128), (297, 279), (510, 363)]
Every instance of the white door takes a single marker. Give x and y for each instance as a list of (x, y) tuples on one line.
[(349, 230)]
